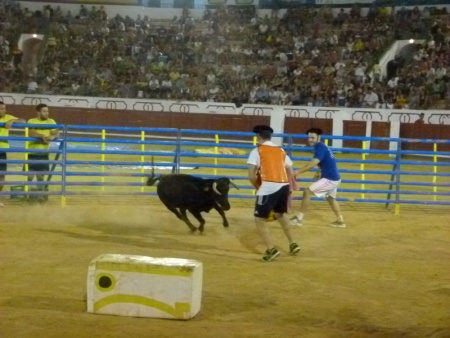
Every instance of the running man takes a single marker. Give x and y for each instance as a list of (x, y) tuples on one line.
[(269, 169), (327, 179), (8, 120)]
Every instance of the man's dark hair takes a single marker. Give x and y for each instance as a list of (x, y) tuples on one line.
[(317, 131), (265, 135), (264, 131), (1, 102), (40, 106)]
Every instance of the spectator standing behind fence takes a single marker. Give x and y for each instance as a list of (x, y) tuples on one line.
[(8, 120), (45, 136), (421, 119), (327, 179), (269, 171)]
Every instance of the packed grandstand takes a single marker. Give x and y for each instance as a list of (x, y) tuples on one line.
[(311, 56)]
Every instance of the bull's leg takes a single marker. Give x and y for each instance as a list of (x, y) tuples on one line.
[(199, 217), (182, 216), (175, 211), (186, 220), (222, 213)]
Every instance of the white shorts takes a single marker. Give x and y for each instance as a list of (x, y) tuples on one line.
[(325, 187)]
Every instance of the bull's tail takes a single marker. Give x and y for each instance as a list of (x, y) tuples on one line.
[(151, 180)]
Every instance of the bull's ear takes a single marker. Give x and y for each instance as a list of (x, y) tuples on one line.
[(207, 187)]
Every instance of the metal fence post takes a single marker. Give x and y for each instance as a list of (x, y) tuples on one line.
[(398, 159), (290, 144), (178, 152), (64, 167)]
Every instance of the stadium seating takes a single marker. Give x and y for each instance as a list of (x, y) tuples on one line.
[(307, 56)]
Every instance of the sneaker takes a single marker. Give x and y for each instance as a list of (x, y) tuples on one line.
[(294, 248), (338, 224), (271, 254), (297, 220)]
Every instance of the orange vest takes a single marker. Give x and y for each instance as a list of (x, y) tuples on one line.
[(272, 164)]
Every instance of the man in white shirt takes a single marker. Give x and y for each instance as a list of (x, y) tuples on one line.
[(237, 68), (211, 78), (153, 87), (370, 99), (298, 71), (270, 171), (360, 73), (282, 56), (32, 87), (263, 28), (166, 87), (392, 83)]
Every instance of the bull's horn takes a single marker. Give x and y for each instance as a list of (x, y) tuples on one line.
[(214, 186), (234, 184)]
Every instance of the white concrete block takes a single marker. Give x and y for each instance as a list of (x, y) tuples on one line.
[(140, 286)]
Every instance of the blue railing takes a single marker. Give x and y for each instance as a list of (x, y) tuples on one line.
[(96, 160)]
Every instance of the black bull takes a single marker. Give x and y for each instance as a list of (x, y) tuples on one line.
[(193, 194)]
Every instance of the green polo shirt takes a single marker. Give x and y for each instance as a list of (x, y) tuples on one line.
[(44, 131), (4, 132)]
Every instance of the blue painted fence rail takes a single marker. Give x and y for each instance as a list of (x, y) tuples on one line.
[(83, 160)]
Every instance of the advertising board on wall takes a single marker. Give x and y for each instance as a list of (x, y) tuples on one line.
[(93, 2), (200, 4), (342, 2), (232, 2)]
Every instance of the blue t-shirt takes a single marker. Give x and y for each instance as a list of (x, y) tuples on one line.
[(327, 162)]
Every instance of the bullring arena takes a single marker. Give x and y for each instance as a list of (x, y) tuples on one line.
[(385, 275)]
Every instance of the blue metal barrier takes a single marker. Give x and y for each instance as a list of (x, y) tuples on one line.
[(95, 160)]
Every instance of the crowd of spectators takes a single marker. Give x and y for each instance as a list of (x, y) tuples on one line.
[(307, 56)]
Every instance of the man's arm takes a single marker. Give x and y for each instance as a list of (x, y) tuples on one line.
[(290, 171), (312, 164), (35, 133), (252, 170), (8, 124), (54, 133), (46, 139)]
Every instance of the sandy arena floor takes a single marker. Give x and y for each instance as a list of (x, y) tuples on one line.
[(383, 276)]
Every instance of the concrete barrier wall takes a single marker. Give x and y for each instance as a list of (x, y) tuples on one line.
[(214, 121)]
